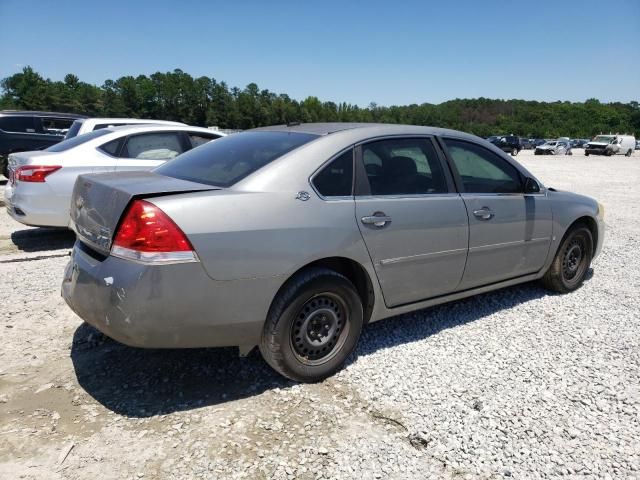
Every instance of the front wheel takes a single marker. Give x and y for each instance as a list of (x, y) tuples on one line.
[(572, 261), (313, 325), (514, 152)]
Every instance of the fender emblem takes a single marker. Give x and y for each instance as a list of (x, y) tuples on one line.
[(304, 196)]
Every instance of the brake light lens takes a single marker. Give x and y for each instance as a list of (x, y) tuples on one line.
[(35, 173), (147, 234)]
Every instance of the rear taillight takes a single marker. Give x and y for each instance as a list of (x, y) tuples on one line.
[(35, 173), (147, 234)]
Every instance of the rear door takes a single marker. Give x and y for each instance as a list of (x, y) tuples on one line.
[(412, 221), (145, 151), (509, 232)]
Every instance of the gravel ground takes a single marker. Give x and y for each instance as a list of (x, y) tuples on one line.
[(516, 383)]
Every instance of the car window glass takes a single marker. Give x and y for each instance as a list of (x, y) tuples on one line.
[(111, 147), (56, 126), (230, 159), (198, 139), (74, 129), (403, 167), (17, 124), (153, 146), (483, 171), (77, 140), (335, 179)]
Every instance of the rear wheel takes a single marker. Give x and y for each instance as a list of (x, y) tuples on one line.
[(572, 260), (628, 154), (514, 152), (313, 325)]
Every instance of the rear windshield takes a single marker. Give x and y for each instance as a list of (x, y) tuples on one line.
[(228, 160), (75, 141), (74, 129)]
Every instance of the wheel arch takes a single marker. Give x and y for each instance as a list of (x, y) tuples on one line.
[(351, 269), (590, 223)]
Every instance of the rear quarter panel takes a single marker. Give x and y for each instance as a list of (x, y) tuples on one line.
[(241, 235)]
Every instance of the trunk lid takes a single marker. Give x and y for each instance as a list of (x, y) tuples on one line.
[(99, 200)]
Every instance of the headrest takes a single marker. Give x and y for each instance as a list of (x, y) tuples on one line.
[(399, 167)]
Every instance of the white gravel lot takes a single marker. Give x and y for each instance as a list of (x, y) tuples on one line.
[(517, 383)]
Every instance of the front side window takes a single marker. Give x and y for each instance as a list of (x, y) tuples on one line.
[(18, 124), (153, 146), (403, 167), (483, 171), (230, 159), (335, 180)]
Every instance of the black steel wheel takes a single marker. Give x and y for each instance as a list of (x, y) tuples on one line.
[(313, 325), (571, 262)]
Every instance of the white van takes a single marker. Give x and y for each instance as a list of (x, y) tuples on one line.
[(611, 145), (84, 125)]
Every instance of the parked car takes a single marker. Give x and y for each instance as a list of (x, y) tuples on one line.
[(611, 145), (538, 141), (637, 144), (292, 238), (40, 182), (578, 143), (21, 131), (508, 143), (85, 125), (526, 144), (555, 147)]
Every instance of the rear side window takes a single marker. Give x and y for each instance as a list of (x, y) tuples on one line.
[(112, 148), (197, 139), (17, 124), (78, 140), (336, 179), (153, 146), (56, 126), (483, 171), (230, 159), (403, 167)]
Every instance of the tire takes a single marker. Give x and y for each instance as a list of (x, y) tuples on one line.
[(586, 154), (314, 301), (572, 261), (514, 152), (628, 154), (4, 166), (569, 152)]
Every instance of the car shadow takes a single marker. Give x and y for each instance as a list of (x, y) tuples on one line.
[(143, 382), (43, 239)]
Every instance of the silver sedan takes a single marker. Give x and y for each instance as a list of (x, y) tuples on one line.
[(292, 238), (40, 182)]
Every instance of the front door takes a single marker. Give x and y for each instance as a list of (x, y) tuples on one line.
[(413, 223), (509, 232)]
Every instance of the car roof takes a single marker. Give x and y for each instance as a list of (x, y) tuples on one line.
[(124, 119), (37, 113), (363, 130), (144, 127)]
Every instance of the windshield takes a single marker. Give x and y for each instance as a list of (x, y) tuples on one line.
[(228, 160), (74, 129), (75, 141), (551, 144), (603, 138)]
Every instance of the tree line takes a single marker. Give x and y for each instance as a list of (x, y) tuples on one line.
[(205, 101)]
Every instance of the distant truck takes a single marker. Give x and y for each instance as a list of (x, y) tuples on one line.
[(611, 145)]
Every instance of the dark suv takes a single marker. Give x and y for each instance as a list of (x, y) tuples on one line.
[(508, 143), (22, 131)]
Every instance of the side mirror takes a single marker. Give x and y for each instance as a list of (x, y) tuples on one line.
[(531, 186)]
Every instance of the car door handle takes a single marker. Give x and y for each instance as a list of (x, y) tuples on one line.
[(484, 213), (378, 219)]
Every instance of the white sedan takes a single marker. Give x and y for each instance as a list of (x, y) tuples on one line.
[(41, 182)]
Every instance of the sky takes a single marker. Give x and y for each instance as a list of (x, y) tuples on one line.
[(387, 52)]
